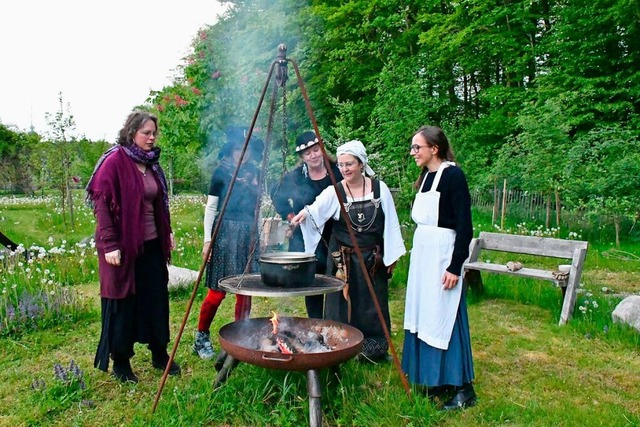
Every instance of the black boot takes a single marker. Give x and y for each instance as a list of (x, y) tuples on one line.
[(438, 393), (159, 360), (122, 371), (465, 397)]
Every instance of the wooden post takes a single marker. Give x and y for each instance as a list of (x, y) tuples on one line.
[(558, 207), (547, 220), (504, 204), (494, 212)]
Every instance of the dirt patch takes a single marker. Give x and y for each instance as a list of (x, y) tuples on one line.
[(617, 282), (535, 357)]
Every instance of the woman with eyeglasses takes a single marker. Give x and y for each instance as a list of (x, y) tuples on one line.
[(128, 192), (437, 346), (372, 217), (298, 188)]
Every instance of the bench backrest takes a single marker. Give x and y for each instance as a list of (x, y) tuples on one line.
[(543, 246)]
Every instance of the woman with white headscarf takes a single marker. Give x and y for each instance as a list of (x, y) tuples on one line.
[(372, 217)]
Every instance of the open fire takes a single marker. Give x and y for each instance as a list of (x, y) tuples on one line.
[(288, 338)]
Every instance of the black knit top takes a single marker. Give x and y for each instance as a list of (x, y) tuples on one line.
[(454, 211)]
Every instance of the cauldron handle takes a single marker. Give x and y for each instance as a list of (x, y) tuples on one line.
[(277, 359)]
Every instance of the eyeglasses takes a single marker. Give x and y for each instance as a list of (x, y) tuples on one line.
[(346, 165), (414, 148)]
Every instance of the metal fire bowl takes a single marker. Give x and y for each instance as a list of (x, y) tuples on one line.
[(252, 285), (240, 340)]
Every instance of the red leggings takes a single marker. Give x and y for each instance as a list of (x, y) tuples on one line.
[(210, 306)]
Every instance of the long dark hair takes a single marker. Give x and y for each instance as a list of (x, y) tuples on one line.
[(134, 122), (435, 137)]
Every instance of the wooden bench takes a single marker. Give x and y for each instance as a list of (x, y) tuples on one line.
[(575, 250)]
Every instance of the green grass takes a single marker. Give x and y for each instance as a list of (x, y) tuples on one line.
[(529, 370)]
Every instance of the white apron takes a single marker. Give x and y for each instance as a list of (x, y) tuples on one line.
[(430, 310)]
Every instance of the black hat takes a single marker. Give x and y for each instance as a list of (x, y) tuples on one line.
[(305, 140)]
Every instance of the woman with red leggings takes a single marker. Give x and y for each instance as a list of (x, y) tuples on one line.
[(234, 244)]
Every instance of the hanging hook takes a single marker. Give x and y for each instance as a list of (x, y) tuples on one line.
[(282, 72)]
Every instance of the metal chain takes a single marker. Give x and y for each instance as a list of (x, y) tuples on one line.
[(285, 141)]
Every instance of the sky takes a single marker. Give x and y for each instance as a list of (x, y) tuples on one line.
[(103, 56)]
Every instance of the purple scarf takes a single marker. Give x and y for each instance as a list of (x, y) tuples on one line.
[(150, 158)]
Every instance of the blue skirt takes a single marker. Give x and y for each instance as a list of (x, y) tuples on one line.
[(429, 366)]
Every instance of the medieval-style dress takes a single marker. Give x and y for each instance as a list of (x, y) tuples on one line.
[(132, 212), (437, 345), (295, 191), (374, 221), (236, 240)]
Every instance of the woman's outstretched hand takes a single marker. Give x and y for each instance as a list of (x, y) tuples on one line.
[(299, 218)]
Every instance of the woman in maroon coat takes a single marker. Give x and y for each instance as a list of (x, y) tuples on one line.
[(128, 192)]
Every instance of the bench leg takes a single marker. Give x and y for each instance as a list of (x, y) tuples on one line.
[(569, 301), (473, 280)]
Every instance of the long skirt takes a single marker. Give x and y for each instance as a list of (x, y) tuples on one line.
[(231, 251), (362, 313), (432, 367), (142, 317)]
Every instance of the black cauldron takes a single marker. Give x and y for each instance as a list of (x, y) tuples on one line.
[(288, 269)]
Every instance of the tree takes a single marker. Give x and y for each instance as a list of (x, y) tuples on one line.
[(15, 150), (535, 158), (605, 169), (63, 154)]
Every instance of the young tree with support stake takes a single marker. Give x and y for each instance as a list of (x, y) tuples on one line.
[(62, 124)]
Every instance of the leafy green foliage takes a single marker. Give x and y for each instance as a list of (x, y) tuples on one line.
[(605, 166), (515, 85)]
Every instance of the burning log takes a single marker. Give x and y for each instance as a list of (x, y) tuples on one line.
[(283, 346), (294, 340)]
